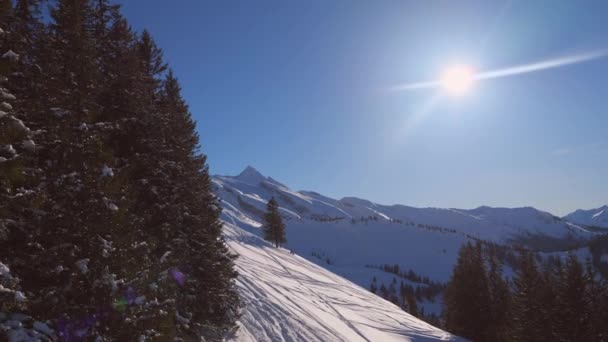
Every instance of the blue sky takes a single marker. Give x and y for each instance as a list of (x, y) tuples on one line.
[(300, 90)]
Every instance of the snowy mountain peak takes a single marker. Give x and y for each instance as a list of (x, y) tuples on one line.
[(250, 175), (597, 217)]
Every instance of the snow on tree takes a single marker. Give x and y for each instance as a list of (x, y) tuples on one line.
[(106, 182)]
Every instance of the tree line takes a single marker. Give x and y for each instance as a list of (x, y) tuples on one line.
[(550, 301), (107, 220)]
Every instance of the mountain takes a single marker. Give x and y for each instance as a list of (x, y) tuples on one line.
[(288, 298), (250, 190), (594, 217), (356, 238)]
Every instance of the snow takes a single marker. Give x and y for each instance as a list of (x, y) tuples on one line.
[(20, 125), (11, 56), (140, 300), (107, 171), (60, 112), (492, 224), (6, 106), (29, 145), (7, 96), (16, 328), (425, 240), (597, 217), (598, 214), (351, 233), (82, 265), (112, 207), (163, 258), (19, 296), (288, 298), (43, 328), (10, 149), (4, 270)]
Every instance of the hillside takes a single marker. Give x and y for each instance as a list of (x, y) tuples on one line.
[(250, 190), (287, 298), (597, 217), (356, 238)]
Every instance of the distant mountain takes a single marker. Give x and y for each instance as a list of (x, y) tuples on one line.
[(594, 217), (251, 190), (354, 237)]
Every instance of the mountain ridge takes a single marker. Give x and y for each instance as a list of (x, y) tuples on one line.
[(514, 222), (597, 217)]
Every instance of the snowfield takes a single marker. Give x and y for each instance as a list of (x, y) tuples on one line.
[(287, 298), (346, 236), (249, 191)]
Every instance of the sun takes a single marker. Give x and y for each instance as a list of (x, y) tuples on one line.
[(458, 80)]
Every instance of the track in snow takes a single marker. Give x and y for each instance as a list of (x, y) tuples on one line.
[(288, 298)]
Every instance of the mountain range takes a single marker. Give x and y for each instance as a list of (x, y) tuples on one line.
[(356, 238)]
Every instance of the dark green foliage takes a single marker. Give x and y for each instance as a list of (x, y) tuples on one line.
[(412, 306), (105, 196), (555, 301), (500, 299), (529, 313), (274, 228), (467, 297)]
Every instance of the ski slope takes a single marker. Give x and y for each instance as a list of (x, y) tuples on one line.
[(287, 298)]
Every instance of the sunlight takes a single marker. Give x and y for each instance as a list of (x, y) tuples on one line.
[(458, 80)]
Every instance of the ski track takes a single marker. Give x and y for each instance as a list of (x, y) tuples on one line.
[(287, 298)]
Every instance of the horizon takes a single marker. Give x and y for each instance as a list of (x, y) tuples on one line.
[(304, 93), (397, 203)]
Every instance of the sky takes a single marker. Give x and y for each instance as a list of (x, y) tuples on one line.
[(304, 92)]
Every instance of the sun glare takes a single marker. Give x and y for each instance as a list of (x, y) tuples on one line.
[(458, 80)]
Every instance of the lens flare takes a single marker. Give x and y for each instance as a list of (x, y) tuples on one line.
[(456, 79)]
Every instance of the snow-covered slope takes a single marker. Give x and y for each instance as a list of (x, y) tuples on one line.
[(594, 217), (347, 236), (249, 191), (288, 298)]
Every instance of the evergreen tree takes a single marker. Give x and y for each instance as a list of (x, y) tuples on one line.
[(15, 192), (528, 308), (274, 228), (107, 218), (412, 306), (500, 300), (467, 298), (597, 292), (573, 310)]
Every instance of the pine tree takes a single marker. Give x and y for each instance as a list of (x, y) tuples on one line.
[(500, 300), (528, 308), (412, 306), (467, 298), (573, 310), (106, 212), (15, 192), (597, 292), (274, 228)]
